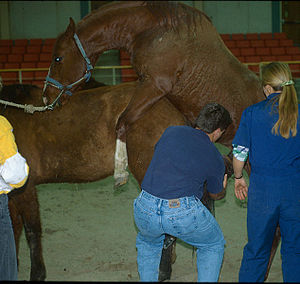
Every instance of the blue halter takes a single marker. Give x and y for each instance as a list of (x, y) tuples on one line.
[(66, 88)]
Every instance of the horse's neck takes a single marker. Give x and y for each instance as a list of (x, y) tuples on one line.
[(115, 29)]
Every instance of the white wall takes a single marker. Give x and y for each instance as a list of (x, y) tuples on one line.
[(240, 16), (41, 19)]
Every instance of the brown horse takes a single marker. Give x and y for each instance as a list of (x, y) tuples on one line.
[(76, 143), (47, 141), (176, 52)]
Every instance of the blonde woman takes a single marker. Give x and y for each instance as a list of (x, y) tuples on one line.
[(269, 134)]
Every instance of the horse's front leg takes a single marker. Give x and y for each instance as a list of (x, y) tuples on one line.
[(144, 97), (16, 220), (27, 205)]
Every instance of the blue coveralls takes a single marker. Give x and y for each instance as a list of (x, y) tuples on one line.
[(273, 195)]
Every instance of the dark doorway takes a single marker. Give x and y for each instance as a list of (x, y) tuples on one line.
[(291, 20)]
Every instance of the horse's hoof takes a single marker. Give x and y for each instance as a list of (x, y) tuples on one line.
[(39, 275), (164, 276), (120, 181)]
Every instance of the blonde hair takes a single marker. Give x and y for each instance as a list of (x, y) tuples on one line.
[(278, 76)]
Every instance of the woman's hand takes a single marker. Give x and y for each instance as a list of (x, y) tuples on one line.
[(240, 188)]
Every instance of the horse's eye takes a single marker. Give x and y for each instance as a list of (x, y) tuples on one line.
[(58, 59)]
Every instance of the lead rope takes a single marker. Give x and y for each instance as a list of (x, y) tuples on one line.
[(27, 108)]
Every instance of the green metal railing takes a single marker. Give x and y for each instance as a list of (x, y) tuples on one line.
[(110, 74)]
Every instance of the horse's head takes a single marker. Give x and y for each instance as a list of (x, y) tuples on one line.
[(69, 68)]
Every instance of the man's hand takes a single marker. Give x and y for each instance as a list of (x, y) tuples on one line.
[(225, 181), (240, 188)]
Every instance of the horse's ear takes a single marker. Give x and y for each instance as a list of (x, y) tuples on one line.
[(71, 28)]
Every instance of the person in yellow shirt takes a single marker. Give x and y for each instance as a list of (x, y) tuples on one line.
[(14, 171)]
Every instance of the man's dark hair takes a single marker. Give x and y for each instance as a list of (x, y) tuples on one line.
[(213, 116)]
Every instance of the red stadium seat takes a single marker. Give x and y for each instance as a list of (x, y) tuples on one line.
[(33, 49), (9, 76), (296, 57), (266, 36), (28, 65), (238, 36), (243, 43), (124, 54), (292, 50), (46, 57), (36, 41), (235, 51), (125, 62), (225, 37), (252, 36), (262, 51), (31, 57), (230, 43), (15, 58), (286, 42), (278, 51), (20, 42), (253, 59), (6, 42), (254, 68), (43, 65), (3, 58), (18, 49), (284, 57), (279, 36), (268, 58), (257, 43), (271, 43), (12, 65), (5, 50), (49, 41), (248, 51), (47, 48), (40, 75)]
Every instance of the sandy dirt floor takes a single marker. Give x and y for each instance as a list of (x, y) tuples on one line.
[(89, 235)]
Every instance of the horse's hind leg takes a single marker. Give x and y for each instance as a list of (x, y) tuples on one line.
[(143, 99), (275, 244), (27, 205), (168, 258)]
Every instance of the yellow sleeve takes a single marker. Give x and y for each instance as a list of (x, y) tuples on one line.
[(8, 147), (13, 167)]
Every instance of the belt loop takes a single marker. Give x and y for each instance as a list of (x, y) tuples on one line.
[(188, 202), (158, 206)]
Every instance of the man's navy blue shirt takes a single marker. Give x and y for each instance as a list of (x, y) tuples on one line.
[(184, 159)]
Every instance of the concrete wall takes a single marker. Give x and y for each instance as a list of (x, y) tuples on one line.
[(240, 16), (46, 19), (37, 19)]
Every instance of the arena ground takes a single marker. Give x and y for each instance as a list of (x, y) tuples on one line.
[(89, 235)]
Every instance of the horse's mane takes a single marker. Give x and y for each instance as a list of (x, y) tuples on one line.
[(167, 13), (171, 14)]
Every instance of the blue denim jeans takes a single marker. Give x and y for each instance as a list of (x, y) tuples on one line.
[(8, 259), (185, 218)]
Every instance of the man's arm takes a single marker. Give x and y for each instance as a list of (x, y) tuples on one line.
[(220, 195)]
